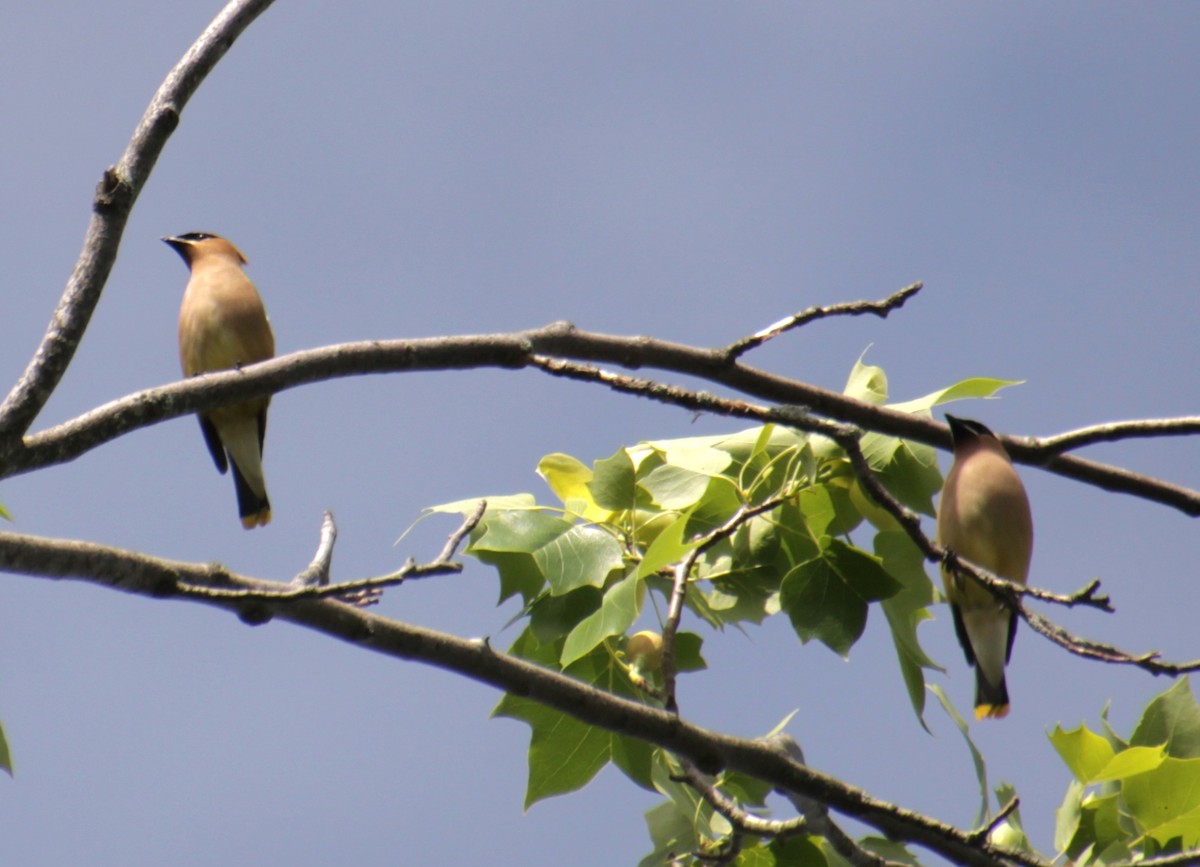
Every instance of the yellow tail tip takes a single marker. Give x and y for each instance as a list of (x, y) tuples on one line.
[(258, 519), (991, 711)]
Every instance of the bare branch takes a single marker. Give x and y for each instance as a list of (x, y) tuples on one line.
[(850, 308), (317, 573), (114, 199), (352, 592)]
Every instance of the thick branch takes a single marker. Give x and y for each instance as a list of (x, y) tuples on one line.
[(540, 347), (115, 196), (709, 750)]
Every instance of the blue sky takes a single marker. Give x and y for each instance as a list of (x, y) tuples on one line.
[(693, 171)]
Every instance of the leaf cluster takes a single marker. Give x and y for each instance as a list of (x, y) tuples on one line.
[(760, 522), (1138, 797)]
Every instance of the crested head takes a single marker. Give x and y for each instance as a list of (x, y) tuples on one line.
[(964, 430), (193, 245)]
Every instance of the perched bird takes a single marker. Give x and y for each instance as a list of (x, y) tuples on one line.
[(223, 325), (983, 516)]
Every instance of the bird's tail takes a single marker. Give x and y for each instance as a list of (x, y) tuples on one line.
[(991, 700), (254, 509)]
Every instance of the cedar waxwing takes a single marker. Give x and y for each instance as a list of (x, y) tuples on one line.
[(983, 516), (223, 325)]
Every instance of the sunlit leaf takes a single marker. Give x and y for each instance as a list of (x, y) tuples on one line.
[(672, 487), (1166, 801), (568, 478), (498, 503), (1083, 751), (866, 383), (976, 387)]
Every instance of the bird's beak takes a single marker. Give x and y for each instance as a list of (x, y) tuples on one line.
[(179, 245)]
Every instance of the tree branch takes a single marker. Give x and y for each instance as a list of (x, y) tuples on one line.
[(558, 343), (114, 199), (710, 751), (1117, 431)]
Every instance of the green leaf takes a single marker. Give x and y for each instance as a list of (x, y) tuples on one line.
[(672, 487), (907, 610), (6, 515), (667, 549), (699, 457), (798, 852), (497, 503), (912, 476), (1067, 821), (1130, 762), (1166, 801), (5, 754), (564, 753), (583, 555), (687, 652), (755, 855), (618, 611), (553, 617), (828, 508), (976, 387), (671, 831), (890, 850), (613, 485), (976, 756), (866, 383), (826, 597), (567, 555), (1085, 753), (1099, 825), (1172, 718)]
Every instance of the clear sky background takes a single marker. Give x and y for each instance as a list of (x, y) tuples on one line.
[(691, 170)]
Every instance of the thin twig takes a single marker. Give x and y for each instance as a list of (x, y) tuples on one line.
[(738, 817), (982, 834), (317, 573), (851, 308), (682, 573), (442, 565)]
